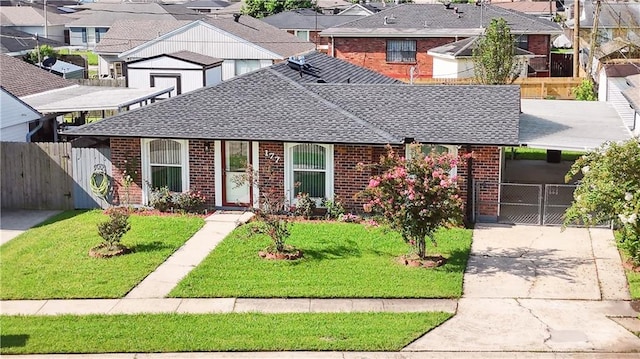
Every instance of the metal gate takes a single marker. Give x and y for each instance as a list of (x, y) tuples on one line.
[(536, 204)]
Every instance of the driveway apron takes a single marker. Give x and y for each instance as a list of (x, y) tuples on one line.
[(15, 221), (539, 288)]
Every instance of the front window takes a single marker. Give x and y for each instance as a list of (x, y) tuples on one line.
[(401, 50), (522, 42), (244, 66), (310, 170), (302, 34), (165, 164)]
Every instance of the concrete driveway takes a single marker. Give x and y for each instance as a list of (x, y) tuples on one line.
[(539, 289), (15, 221)]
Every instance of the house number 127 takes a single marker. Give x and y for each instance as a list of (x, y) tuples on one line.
[(271, 156)]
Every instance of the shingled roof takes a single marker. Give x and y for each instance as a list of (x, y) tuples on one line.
[(307, 19), (106, 14), (127, 34), (23, 79), (271, 105), (418, 20), (16, 41)]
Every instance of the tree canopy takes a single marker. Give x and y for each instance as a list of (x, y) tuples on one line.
[(262, 8), (494, 57)]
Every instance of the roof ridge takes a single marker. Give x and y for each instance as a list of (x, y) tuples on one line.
[(380, 132)]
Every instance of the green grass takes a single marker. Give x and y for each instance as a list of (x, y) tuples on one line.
[(634, 283), (525, 153), (214, 332), (51, 260), (92, 58), (341, 260)]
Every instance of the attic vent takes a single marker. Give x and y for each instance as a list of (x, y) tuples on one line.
[(299, 60), (236, 17)]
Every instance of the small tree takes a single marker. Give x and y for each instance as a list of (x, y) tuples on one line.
[(610, 191), (113, 229), (585, 91), (38, 54), (415, 196), (262, 8), (494, 57)]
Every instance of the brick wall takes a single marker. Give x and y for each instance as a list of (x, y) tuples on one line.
[(348, 181), (125, 152), (271, 168), (372, 52), (486, 175), (202, 169)]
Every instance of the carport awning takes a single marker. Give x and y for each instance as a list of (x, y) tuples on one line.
[(90, 98), (569, 125)]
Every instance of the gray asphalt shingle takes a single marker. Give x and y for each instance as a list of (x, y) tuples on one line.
[(410, 19), (23, 79), (306, 19)]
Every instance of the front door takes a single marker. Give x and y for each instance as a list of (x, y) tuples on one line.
[(236, 158)]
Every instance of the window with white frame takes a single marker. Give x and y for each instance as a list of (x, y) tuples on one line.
[(522, 41), (309, 170), (165, 164), (426, 149), (302, 34), (401, 50), (244, 66)]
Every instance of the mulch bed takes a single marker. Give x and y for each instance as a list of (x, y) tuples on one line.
[(428, 262)]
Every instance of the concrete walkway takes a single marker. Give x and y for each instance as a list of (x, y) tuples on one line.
[(160, 282), (539, 289), (14, 222)]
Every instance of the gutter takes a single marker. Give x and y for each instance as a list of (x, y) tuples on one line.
[(33, 132)]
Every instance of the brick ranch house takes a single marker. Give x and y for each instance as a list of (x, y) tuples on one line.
[(396, 40), (307, 123)]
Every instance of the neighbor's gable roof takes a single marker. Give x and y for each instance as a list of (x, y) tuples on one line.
[(187, 56), (16, 41), (30, 16), (106, 14), (434, 20), (307, 19), (268, 105), (128, 34), (464, 48), (23, 79)]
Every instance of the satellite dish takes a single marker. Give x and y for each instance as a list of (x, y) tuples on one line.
[(49, 61)]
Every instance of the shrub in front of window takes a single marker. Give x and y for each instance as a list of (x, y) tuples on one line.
[(415, 196), (161, 199), (190, 201), (334, 207), (305, 205)]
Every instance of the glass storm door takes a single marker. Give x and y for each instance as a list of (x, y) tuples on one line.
[(236, 161)]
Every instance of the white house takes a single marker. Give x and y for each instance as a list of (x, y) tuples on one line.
[(613, 84), (185, 71), (31, 20), (15, 118), (244, 43)]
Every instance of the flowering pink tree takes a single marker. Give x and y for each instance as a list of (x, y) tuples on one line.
[(415, 196)]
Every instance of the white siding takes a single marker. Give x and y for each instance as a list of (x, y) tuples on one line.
[(602, 86), (615, 87), (189, 79), (214, 76), (229, 68), (164, 62), (54, 32), (444, 68), (14, 118), (204, 40), (16, 133)]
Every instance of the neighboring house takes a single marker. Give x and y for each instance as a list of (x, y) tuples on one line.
[(244, 43), (616, 19), (31, 20), (96, 19), (307, 24), (305, 125), (366, 8), (612, 87), (395, 41), (633, 96), (53, 96), (17, 43), (331, 7), (455, 60), (544, 9), (185, 71), (19, 80), (207, 6), (16, 118)]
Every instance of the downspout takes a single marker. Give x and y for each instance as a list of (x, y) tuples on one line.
[(470, 193), (33, 132)]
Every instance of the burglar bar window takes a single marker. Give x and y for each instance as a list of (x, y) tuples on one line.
[(401, 51)]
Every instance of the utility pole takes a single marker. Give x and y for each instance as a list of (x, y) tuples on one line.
[(46, 29), (594, 38), (576, 38)]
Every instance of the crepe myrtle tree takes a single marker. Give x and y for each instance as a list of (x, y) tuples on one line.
[(610, 191), (415, 195)]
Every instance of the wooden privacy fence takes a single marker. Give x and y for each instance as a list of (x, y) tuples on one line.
[(36, 175), (51, 176), (558, 88)]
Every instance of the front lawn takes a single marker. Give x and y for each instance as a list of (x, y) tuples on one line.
[(52, 261), (634, 283), (214, 332), (341, 260)]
